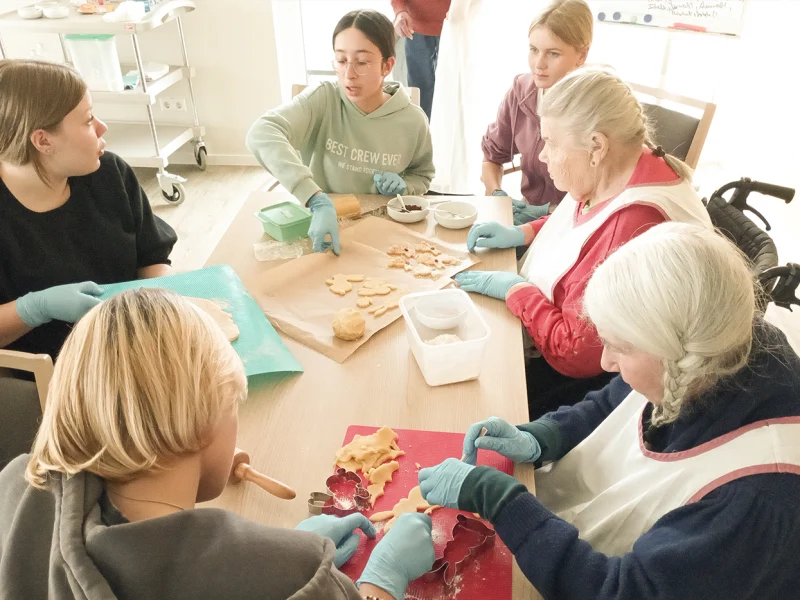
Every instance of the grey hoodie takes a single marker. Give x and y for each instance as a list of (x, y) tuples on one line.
[(55, 545), (322, 141)]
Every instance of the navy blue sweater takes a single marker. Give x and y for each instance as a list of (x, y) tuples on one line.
[(741, 541)]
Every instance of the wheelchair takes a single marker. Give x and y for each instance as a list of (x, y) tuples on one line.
[(779, 283)]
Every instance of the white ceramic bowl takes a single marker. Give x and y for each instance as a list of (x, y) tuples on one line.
[(455, 214), (438, 312), (30, 12), (56, 12), (393, 207)]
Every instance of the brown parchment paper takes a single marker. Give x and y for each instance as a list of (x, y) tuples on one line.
[(299, 303)]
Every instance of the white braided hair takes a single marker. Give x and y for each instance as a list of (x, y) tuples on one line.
[(595, 99), (681, 293)]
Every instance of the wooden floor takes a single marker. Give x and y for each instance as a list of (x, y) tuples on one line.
[(213, 198)]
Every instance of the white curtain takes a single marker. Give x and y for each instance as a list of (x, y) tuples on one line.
[(480, 52)]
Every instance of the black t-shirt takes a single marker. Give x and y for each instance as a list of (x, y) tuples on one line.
[(103, 233)]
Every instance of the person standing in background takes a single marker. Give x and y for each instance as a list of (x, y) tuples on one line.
[(420, 22)]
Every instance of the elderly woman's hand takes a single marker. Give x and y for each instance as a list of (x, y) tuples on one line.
[(494, 235), (489, 283)]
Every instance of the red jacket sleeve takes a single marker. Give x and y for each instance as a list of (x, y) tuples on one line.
[(565, 338), (498, 142)]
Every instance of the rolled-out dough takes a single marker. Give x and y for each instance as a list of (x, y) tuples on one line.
[(221, 318), (415, 502), (378, 478), (366, 452)]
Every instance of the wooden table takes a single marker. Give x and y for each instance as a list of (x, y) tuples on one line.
[(293, 425)]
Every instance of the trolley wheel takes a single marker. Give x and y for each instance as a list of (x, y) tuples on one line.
[(201, 157), (178, 194)]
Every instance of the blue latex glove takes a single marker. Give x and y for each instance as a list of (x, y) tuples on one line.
[(341, 531), (494, 235), (403, 555), (499, 193), (389, 184), (489, 283), (442, 484), (525, 213), (503, 438), (323, 223), (62, 302)]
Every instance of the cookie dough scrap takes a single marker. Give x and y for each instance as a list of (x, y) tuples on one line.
[(342, 284), (221, 318), (400, 250), (381, 309), (378, 477), (348, 324), (426, 248), (363, 302), (398, 262), (367, 452), (424, 272), (414, 503), (376, 287)]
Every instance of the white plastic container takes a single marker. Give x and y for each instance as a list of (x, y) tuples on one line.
[(95, 58), (447, 363)]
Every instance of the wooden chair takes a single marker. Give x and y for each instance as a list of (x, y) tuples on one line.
[(299, 87), (680, 134), (21, 401)]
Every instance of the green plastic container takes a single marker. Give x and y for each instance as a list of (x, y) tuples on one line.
[(285, 221)]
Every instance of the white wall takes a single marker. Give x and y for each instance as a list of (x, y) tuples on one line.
[(232, 46)]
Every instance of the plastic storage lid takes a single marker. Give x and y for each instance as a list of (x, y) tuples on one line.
[(94, 37), (284, 214)]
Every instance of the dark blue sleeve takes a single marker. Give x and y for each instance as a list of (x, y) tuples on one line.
[(740, 541), (560, 431)]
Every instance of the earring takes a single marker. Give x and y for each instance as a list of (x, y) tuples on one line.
[(593, 163)]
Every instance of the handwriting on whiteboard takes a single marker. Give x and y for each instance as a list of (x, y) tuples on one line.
[(710, 9)]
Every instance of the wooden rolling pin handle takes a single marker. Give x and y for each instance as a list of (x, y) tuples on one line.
[(245, 472)]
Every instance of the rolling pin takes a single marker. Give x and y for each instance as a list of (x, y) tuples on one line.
[(346, 206), (242, 471)]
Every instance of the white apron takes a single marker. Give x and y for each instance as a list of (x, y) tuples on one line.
[(614, 490), (557, 246)]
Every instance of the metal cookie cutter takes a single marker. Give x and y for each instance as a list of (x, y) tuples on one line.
[(345, 495), (470, 538)]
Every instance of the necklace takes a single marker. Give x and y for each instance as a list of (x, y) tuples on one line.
[(143, 500)]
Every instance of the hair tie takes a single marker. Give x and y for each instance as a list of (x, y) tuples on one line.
[(658, 152)]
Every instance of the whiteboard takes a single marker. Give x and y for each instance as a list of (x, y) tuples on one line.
[(712, 16)]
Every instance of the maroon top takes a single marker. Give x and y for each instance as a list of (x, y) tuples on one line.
[(427, 16), (517, 131)]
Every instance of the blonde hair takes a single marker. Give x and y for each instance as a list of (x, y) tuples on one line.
[(594, 99), (570, 21), (33, 95), (143, 376), (682, 293)]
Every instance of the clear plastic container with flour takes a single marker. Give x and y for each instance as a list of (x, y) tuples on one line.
[(447, 335)]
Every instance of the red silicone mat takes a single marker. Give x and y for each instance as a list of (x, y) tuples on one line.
[(488, 576)]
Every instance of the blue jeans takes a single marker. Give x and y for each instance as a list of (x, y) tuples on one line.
[(422, 53)]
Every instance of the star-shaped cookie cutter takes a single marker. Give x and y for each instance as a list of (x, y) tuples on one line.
[(470, 538), (345, 495)]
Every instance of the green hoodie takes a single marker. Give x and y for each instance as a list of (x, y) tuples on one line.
[(322, 141)]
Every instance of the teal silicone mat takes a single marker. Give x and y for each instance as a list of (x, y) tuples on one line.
[(259, 345)]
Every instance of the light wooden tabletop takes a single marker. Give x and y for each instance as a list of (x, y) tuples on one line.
[(293, 425)]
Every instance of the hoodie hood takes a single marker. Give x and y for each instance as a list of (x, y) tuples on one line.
[(398, 101)]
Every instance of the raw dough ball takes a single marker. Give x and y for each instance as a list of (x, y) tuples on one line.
[(348, 324), (221, 318)]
